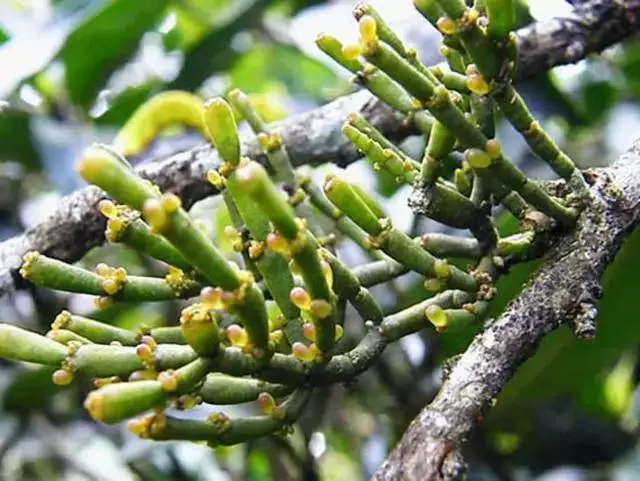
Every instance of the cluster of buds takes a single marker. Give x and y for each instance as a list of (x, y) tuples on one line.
[(271, 331)]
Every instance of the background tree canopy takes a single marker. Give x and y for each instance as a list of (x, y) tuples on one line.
[(73, 71)]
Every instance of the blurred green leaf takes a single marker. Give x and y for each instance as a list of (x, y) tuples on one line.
[(103, 42), (213, 53), (3, 36), (123, 106), (272, 65), (598, 98), (29, 390), (17, 143)]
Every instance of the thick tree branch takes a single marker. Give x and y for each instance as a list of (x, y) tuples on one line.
[(314, 137), (563, 291)]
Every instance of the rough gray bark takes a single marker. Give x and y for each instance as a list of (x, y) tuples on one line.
[(590, 27), (312, 138), (563, 291)]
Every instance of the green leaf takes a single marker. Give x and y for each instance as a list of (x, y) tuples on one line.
[(30, 390), (213, 52), (282, 65), (17, 144), (103, 42)]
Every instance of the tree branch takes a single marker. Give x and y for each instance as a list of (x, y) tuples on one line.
[(563, 291), (312, 138)]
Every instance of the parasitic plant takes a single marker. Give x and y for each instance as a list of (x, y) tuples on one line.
[(269, 330)]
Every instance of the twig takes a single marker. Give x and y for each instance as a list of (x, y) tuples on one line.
[(564, 291), (76, 227)]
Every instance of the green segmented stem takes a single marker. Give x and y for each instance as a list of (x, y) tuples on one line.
[(414, 318), (443, 245), (347, 286), (304, 250), (224, 389), (221, 127), (440, 144), (393, 242), (513, 107), (502, 17), (137, 235), (277, 155), (377, 82), (95, 331), (21, 345), (229, 430), (429, 10), (118, 401), (167, 335), (44, 271), (97, 360), (387, 159)]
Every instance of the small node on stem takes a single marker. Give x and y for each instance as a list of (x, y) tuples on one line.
[(442, 269), (62, 377), (433, 285), (170, 202), (266, 403), (446, 26), (478, 159), (309, 331), (168, 380), (237, 335), (300, 298), (215, 179), (320, 309), (493, 148), (302, 352), (339, 332), (107, 208), (352, 52), (155, 215), (437, 316), (368, 29)]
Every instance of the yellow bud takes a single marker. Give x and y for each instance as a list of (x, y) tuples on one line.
[(446, 26), (155, 215), (168, 380), (237, 335), (215, 179), (478, 159), (103, 270), (107, 208), (309, 331), (493, 148), (266, 403), (368, 29), (320, 309), (328, 273), (352, 52), (442, 269), (170, 202), (302, 352), (278, 243), (110, 287), (339, 332), (433, 285), (477, 84), (62, 377), (437, 316), (145, 353), (301, 298), (212, 297)]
